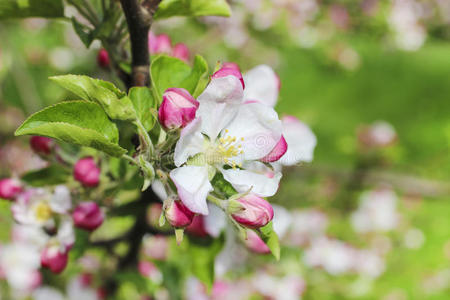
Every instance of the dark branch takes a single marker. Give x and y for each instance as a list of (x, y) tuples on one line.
[(139, 19)]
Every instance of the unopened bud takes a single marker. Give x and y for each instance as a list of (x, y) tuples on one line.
[(224, 72), (256, 212), (159, 43), (88, 216), (255, 244), (41, 145), (87, 172), (103, 58), (197, 227), (178, 215), (54, 259), (177, 109), (9, 188), (181, 51)]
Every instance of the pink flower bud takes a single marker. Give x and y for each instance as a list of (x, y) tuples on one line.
[(177, 109), (9, 188), (224, 72), (255, 244), (103, 58), (159, 43), (87, 172), (88, 216), (257, 212), (181, 51), (41, 144), (197, 227), (178, 214), (54, 259), (277, 152)]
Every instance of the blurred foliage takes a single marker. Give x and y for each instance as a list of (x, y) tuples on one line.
[(408, 89)]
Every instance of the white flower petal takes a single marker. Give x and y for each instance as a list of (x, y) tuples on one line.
[(215, 221), (215, 116), (261, 179), (159, 190), (259, 127), (193, 187), (282, 219), (261, 84), (300, 139), (219, 104), (47, 293), (61, 201), (190, 142)]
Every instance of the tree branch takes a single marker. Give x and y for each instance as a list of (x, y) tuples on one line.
[(139, 19)]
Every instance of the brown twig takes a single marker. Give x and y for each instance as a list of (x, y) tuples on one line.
[(139, 19)]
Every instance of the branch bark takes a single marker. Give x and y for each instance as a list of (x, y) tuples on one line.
[(139, 19)]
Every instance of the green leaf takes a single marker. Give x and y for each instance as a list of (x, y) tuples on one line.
[(76, 122), (51, 175), (269, 237), (168, 72), (85, 33), (202, 253), (143, 102), (115, 102), (31, 8), (194, 8), (222, 186)]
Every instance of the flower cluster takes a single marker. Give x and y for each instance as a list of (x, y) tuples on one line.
[(45, 219), (230, 133)]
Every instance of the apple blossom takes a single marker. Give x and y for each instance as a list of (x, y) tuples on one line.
[(54, 259), (9, 188), (181, 51), (41, 144), (88, 216), (263, 85), (197, 227), (231, 65), (19, 264), (255, 244), (256, 212), (149, 270), (227, 136), (159, 43), (376, 212), (38, 206), (177, 108), (87, 172), (277, 152), (232, 71), (156, 247), (178, 214), (103, 58)]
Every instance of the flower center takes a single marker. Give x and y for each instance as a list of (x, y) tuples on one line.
[(42, 211), (224, 150)]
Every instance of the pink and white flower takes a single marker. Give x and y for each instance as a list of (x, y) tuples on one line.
[(298, 143), (9, 188), (177, 108), (256, 212), (37, 206), (20, 263), (227, 136), (377, 212)]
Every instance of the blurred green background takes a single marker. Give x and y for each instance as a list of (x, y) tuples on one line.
[(410, 90)]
